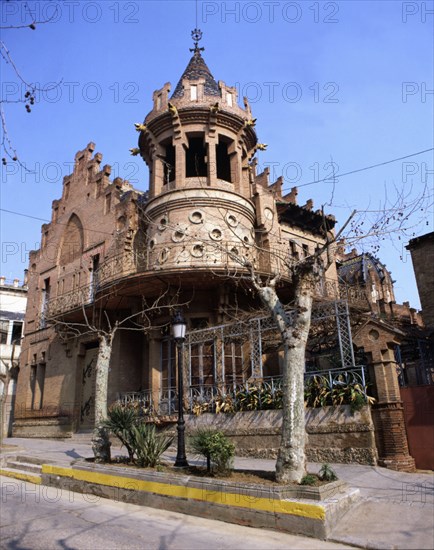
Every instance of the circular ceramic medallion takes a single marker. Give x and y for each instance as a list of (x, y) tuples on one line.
[(163, 256), (231, 220), (216, 234), (198, 250), (163, 222), (196, 216)]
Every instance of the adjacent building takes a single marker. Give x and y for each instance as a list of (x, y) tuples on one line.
[(13, 299)]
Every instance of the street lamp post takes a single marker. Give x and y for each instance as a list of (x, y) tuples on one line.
[(178, 332)]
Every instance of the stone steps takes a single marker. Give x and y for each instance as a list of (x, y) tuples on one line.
[(26, 468), (28, 459)]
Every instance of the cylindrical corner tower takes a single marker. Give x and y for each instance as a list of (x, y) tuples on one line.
[(197, 144)]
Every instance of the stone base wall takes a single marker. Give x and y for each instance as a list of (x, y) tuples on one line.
[(334, 434), (59, 427)]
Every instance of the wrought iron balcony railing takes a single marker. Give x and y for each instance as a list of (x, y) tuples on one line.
[(259, 394), (230, 256)]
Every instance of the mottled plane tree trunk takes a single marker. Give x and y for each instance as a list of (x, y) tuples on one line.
[(100, 440), (294, 330)]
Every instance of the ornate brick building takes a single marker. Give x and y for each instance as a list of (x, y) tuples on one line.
[(189, 239), (111, 251)]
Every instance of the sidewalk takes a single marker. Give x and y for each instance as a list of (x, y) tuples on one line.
[(395, 510)]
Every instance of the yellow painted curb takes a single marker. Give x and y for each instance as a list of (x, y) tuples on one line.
[(24, 477), (303, 509)]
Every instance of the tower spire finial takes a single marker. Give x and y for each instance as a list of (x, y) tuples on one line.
[(196, 35)]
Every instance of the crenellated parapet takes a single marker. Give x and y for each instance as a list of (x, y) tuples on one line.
[(198, 136)]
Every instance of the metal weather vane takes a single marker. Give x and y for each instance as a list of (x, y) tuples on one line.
[(196, 35)]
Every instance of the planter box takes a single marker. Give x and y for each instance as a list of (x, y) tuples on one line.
[(311, 511)]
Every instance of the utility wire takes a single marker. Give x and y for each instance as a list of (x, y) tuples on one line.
[(327, 178), (298, 186), (48, 221)]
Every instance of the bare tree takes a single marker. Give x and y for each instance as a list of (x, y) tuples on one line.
[(27, 90), (98, 321), (394, 218)]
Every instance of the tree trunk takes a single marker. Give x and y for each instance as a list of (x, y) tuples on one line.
[(100, 440), (102, 374), (294, 330), (291, 459)]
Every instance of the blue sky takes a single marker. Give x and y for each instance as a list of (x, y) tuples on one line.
[(347, 82)]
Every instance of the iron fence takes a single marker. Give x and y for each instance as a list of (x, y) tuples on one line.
[(254, 394)]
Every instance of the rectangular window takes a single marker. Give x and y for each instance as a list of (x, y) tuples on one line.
[(202, 364), (37, 383), (294, 249), (196, 158), (193, 93), (223, 160), (234, 363), (33, 385), (45, 300), (159, 101), (305, 250), (66, 189), (108, 203), (4, 327), (40, 383), (17, 332), (169, 162), (168, 371), (229, 99), (93, 283)]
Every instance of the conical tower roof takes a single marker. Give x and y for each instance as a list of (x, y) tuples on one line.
[(197, 68)]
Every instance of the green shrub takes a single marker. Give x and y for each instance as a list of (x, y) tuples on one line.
[(149, 445), (309, 479), (327, 473), (215, 447)]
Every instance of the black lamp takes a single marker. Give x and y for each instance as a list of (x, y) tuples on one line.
[(178, 333)]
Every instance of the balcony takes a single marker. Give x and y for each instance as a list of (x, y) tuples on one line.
[(228, 257), (75, 299)]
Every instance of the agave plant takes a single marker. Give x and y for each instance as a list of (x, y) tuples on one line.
[(149, 445), (327, 473), (120, 421)]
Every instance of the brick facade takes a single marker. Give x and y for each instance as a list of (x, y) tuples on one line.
[(422, 255)]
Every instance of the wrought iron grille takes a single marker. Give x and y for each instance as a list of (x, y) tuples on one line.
[(251, 395)]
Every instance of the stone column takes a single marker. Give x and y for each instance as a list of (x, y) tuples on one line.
[(212, 161), (388, 414), (179, 163)]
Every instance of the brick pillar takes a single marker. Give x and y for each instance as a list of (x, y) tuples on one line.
[(388, 412)]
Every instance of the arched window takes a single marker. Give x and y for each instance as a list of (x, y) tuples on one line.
[(72, 242)]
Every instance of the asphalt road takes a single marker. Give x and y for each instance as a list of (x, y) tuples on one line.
[(37, 517)]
